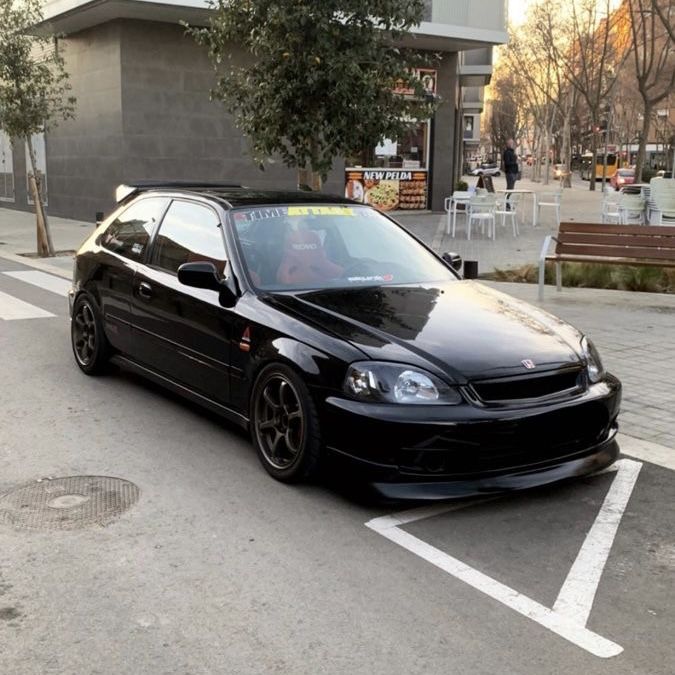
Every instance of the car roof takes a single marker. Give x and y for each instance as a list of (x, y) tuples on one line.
[(230, 195)]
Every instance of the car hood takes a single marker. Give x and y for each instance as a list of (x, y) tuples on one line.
[(464, 329)]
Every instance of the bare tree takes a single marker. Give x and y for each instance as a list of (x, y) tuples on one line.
[(654, 58), (591, 56)]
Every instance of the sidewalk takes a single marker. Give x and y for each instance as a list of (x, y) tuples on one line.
[(18, 237), (578, 204), (17, 230)]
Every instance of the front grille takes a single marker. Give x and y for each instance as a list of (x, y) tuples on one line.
[(499, 446), (524, 387)]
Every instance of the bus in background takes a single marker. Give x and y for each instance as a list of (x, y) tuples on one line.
[(587, 165)]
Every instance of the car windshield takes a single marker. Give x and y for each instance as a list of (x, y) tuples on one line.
[(303, 247)]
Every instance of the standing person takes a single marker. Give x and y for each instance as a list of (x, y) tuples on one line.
[(510, 168), (510, 164)]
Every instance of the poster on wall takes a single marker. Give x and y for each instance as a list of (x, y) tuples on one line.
[(387, 189)]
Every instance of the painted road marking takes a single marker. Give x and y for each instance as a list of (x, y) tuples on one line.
[(647, 451), (47, 281), (577, 594), (12, 308)]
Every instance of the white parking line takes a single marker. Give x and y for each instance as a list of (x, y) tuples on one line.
[(570, 613), (47, 281), (578, 592), (12, 308), (647, 451)]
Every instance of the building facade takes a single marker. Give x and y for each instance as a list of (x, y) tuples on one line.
[(143, 108)]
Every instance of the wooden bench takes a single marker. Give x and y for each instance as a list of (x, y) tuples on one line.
[(609, 244)]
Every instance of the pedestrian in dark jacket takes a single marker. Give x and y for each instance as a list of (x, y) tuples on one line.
[(510, 164)]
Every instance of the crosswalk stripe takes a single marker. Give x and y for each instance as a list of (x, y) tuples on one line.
[(47, 281), (12, 308)]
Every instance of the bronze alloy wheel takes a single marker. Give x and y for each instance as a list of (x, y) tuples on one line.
[(285, 425), (90, 345), (279, 422)]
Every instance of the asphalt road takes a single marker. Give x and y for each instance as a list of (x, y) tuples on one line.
[(219, 569)]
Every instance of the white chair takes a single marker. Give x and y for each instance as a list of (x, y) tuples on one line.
[(481, 210), (507, 207), (551, 199), (454, 205), (631, 208), (610, 209)]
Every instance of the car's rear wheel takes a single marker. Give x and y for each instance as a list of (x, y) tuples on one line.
[(89, 342), (285, 425)]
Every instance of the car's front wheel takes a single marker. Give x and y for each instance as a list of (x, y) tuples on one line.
[(285, 425), (90, 345)]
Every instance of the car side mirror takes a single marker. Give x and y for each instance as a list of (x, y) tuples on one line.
[(199, 275), (454, 260), (205, 275)]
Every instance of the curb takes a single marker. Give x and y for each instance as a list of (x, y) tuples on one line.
[(36, 264)]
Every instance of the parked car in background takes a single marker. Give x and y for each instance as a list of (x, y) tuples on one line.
[(486, 169), (622, 177)]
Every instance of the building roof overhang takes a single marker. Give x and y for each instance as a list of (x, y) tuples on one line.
[(71, 16)]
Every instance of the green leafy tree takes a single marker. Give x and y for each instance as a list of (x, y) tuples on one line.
[(34, 90), (320, 78)]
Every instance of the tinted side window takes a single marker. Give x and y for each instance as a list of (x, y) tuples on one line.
[(189, 233), (129, 233)]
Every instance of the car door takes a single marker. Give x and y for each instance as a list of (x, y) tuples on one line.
[(182, 332), (124, 245)]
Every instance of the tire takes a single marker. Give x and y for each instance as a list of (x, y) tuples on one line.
[(497, 173), (88, 340), (285, 425)]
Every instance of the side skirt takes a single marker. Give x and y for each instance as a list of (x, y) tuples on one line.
[(181, 390)]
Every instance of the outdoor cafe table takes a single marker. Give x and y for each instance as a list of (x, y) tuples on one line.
[(519, 191)]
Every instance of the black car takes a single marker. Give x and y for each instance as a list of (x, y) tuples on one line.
[(339, 340)]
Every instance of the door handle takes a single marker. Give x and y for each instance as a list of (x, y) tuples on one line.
[(145, 290)]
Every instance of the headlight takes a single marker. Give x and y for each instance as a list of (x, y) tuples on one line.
[(593, 362), (382, 382)]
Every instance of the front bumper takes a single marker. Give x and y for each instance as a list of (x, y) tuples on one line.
[(436, 452)]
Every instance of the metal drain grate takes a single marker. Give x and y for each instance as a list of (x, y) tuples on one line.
[(67, 503)]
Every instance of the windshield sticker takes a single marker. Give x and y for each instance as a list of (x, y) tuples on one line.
[(320, 211), (376, 277)]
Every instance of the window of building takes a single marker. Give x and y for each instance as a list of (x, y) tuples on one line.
[(189, 233), (130, 232)]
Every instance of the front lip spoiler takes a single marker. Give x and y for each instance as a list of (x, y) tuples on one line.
[(599, 457)]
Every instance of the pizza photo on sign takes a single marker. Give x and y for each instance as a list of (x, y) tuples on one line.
[(383, 195)]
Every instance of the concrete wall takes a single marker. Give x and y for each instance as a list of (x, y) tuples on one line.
[(444, 147), (84, 155), (171, 128)]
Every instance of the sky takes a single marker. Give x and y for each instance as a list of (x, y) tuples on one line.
[(517, 9)]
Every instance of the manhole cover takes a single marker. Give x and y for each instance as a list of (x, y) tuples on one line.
[(68, 503)]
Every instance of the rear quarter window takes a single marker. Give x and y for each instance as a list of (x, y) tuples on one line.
[(129, 234)]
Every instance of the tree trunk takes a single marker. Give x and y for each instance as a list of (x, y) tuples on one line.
[(642, 147), (594, 159), (309, 180), (45, 246), (566, 152)]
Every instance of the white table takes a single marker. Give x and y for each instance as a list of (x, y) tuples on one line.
[(519, 191), (451, 203)]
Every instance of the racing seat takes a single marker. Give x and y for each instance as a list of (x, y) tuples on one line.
[(305, 261)]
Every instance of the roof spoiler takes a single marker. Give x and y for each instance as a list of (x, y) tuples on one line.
[(125, 190)]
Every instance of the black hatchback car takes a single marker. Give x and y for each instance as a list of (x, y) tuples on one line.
[(339, 339)]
